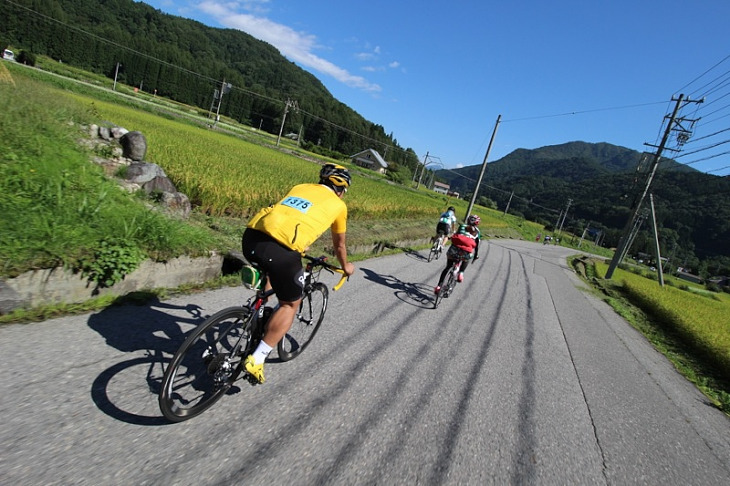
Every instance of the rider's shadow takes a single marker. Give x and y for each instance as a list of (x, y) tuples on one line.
[(154, 328), (415, 254), (416, 294)]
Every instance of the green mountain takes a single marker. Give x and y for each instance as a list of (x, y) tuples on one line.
[(598, 184), (188, 62)]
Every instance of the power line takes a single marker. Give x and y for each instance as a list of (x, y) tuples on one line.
[(584, 111), (683, 88)]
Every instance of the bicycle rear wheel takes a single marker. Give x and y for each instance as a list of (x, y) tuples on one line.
[(306, 323), (206, 365), (432, 254)]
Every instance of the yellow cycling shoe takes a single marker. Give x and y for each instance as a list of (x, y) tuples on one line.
[(255, 370)]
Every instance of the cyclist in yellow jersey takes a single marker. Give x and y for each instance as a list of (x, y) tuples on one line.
[(276, 237)]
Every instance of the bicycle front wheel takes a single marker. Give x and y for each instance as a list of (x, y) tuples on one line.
[(438, 298), (306, 323), (206, 365), (450, 284)]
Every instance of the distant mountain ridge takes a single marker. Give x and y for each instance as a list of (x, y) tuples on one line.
[(599, 159), (598, 183)]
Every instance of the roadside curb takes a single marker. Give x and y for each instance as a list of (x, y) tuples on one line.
[(59, 285), (62, 286)]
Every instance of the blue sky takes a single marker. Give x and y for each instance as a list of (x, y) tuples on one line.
[(437, 74)]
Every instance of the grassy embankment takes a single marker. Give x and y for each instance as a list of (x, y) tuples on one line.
[(683, 321), (60, 209)]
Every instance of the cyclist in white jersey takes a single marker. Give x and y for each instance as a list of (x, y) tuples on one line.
[(447, 223)]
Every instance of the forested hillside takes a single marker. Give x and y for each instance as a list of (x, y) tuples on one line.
[(187, 61), (601, 182)]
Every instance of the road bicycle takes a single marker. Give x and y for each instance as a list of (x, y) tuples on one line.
[(457, 257), (211, 358), (437, 247)]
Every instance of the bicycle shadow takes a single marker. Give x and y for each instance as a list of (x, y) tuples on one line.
[(415, 254), (153, 328), (416, 294)]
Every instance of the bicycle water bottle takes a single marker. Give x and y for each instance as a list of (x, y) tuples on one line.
[(251, 277)]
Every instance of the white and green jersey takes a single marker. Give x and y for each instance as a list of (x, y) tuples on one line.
[(449, 218)]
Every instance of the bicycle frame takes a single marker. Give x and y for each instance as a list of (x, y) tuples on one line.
[(311, 276)]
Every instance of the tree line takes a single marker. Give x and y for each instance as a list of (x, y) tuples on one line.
[(189, 62)]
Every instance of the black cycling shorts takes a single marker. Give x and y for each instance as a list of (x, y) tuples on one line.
[(443, 228), (282, 265)]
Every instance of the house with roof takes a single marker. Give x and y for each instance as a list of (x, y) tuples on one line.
[(441, 188), (370, 159)]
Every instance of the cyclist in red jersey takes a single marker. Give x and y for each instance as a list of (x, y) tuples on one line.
[(465, 240)]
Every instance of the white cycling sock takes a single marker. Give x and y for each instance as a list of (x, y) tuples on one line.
[(261, 353)]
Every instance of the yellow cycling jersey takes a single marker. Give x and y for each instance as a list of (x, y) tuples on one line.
[(302, 216)]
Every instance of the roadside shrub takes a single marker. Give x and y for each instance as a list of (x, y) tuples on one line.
[(111, 262), (712, 287), (27, 58)]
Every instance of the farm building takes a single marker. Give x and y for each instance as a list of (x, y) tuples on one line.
[(370, 159), (441, 188)]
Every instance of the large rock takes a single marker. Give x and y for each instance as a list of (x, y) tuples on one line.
[(177, 203), (159, 184), (143, 172), (134, 145)]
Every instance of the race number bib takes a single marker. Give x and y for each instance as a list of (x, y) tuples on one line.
[(297, 203)]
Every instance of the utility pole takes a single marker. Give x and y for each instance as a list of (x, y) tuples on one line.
[(560, 229), (116, 72), (484, 167), (618, 254), (423, 169), (415, 172), (659, 269), (585, 230), (289, 104), (509, 202), (225, 88), (557, 222), (632, 234)]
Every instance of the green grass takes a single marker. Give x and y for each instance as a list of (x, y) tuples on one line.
[(57, 208)]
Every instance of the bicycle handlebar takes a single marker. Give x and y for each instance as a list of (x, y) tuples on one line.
[(322, 262)]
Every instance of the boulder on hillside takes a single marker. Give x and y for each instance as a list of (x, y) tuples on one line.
[(159, 184), (143, 172), (134, 145), (177, 203)]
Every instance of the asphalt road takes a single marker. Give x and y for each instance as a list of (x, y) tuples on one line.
[(520, 377)]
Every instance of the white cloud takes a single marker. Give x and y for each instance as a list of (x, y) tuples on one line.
[(394, 64), (296, 46)]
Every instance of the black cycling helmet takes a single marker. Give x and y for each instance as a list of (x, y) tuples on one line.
[(452, 209), (335, 176)]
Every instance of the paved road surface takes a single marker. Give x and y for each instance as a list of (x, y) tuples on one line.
[(521, 377)]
